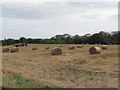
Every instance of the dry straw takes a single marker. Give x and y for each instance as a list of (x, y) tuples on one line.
[(34, 48), (71, 47), (79, 46), (16, 45), (13, 50), (94, 50), (5, 50), (56, 51), (47, 47), (60, 46), (104, 46)]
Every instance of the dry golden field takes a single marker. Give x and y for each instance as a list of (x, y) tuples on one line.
[(73, 69)]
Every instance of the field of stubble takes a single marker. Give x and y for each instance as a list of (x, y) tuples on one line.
[(73, 69)]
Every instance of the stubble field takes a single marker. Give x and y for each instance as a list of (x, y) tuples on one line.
[(73, 69)]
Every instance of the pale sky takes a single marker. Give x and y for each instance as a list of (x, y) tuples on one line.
[(47, 19)]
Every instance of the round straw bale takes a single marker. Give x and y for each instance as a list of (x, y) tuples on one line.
[(16, 45), (71, 47), (60, 45), (47, 47), (13, 50), (34, 48), (5, 49), (104, 46), (23, 44), (79, 46), (56, 51), (20, 44), (94, 50)]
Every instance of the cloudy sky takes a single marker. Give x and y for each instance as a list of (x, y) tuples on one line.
[(46, 19)]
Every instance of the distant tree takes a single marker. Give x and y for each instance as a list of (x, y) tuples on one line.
[(96, 38), (8, 41), (85, 38), (23, 40), (77, 39), (30, 40), (101, 37), (115, 37), (118, 37), (69, 40), (16, 41)]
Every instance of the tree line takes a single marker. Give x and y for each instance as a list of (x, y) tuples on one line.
[(96, 38)]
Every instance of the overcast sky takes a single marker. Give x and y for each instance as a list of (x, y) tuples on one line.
[(44, 20)]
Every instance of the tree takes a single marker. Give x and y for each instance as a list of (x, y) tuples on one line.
[(86, 38), (8, 41), (101, 37), (23, 40), (77, 39)]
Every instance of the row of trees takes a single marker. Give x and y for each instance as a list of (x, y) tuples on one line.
[(101, 37)]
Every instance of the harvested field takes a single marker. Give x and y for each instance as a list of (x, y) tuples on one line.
[(73, 69)]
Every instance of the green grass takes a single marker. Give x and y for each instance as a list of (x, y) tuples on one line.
[(15, 81)]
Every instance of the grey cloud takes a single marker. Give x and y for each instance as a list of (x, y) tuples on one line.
[(94, 4), (25, 13), (37, 11), (114, 17), (48, 10)]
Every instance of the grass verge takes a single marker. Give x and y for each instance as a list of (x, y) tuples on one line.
[(15, 81)]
